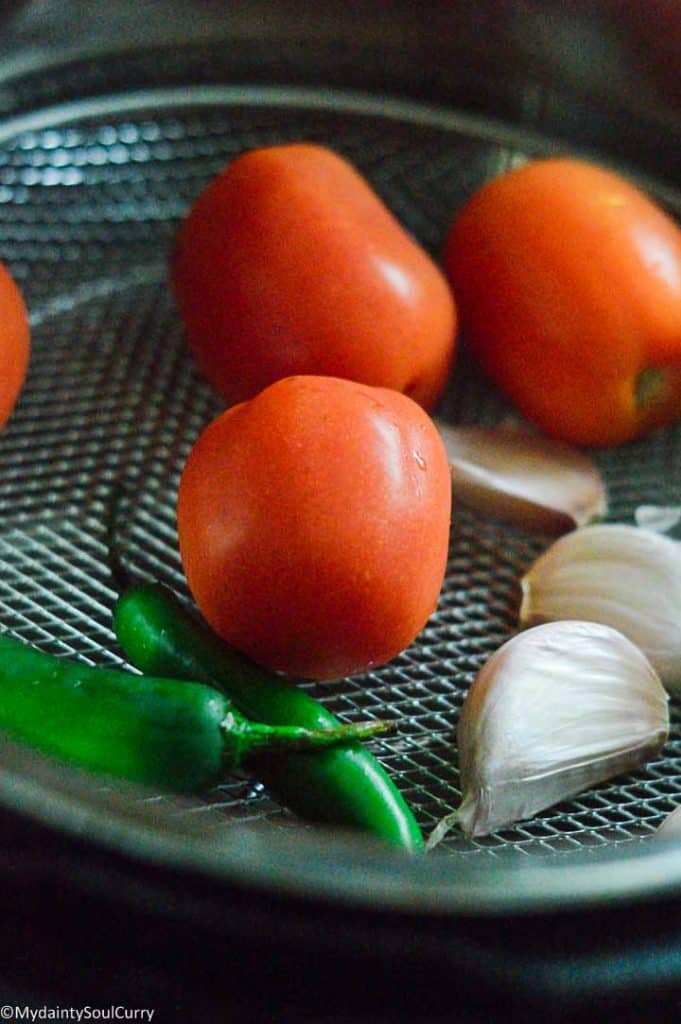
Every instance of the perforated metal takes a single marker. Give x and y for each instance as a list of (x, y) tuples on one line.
[(89, 202)]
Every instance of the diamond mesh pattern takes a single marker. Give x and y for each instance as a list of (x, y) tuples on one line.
[(88, 210)]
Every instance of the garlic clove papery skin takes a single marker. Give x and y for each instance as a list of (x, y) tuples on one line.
[(555, 710), (623, 576), (671, 826), (532, 481), (660, 518)]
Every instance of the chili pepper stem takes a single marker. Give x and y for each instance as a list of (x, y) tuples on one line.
[(245, 737)]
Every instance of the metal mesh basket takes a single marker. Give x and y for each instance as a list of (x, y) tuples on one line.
[(91, 192)]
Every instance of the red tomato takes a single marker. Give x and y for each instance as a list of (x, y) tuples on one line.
[(14, 344), (314, 524), (568, 281), (289, 263)]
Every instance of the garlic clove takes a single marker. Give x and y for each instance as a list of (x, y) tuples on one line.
[(660, 518), (671, 826), (532, 481), (555, 710), (623, 576)]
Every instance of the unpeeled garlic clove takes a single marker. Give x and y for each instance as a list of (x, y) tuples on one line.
[(532, 481), (622, 576), (555, 710), (660, 518), (671, 826)]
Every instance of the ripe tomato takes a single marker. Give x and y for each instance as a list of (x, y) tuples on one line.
[(568, 281), (289, 263), (314, 524), (14, 344)]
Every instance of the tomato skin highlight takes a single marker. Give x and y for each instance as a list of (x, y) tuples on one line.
[(288, 263), (568, 283), (314, 525), (14, 344)]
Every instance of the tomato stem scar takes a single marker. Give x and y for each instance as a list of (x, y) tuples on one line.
[(649, 384)]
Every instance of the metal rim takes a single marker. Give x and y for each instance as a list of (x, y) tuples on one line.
[(305, 97), (328, 867)]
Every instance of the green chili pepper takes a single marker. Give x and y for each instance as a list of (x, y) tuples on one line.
[(345, 786), (181, 736)]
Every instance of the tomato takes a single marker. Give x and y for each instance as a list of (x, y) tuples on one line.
[(314, 524), (14, 344), (289, 263), (568, 282)]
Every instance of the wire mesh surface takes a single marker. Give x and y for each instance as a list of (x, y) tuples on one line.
[(89, 204)]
